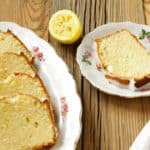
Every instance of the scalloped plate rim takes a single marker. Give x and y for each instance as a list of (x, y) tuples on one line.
[(137, 95), (77, 136)]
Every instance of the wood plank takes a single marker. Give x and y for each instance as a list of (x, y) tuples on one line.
[(91, 131), (29, 13), (66, 52), (122, 119), (92, 14), (147, 11)]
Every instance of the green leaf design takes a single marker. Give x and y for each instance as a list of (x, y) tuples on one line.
[(85, 59), (84, 56), (88, 62), (141, 37), (143, 32), (148, 34)]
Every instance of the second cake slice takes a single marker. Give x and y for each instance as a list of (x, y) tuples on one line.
[(15, 63)]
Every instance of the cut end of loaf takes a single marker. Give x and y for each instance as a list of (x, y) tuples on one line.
[(29, 120), (123, 53)]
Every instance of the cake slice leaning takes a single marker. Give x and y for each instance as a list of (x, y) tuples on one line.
[(15, 63), (19, 83), (25, 123), (124, 58), (11, 43)]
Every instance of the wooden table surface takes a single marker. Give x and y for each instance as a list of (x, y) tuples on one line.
[(109, 122)]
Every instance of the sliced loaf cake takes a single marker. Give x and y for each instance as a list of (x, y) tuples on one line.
[(17, 76), (15, 63), (19, 83), (123, 57)]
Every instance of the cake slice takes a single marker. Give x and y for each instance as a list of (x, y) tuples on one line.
[(25, 123), (124, 58), (19, 83), (11, 43), (14, 63)]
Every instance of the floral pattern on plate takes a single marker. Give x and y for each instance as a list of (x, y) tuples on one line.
[(145, 34), (86, 57), (37, 54), (89, 62), (64, 106)]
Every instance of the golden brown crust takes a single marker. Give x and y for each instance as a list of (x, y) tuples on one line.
[(119, 79), (139, 81), (43, 146), (99, 67), (29, 53)]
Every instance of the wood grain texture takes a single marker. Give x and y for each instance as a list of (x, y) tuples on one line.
[(90, 18), (29, 13), (109, 122), (122, 119), (147, 11)]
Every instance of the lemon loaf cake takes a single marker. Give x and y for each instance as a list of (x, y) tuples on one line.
[(25, 124), (123, 57), (11, 43), (11, 63), (22, 83)]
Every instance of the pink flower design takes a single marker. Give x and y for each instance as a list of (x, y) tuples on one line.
[(148, 39), (64, 106), (37, 53), (35, 48), (85, 57), (88, 53)]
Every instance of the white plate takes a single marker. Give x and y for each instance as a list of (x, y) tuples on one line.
[(87, 50), (59, 83)]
